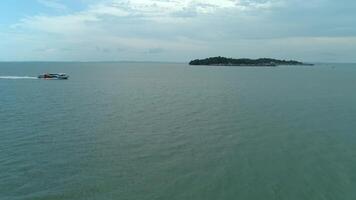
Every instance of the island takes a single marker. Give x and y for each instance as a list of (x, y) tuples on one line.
[(261, 62)]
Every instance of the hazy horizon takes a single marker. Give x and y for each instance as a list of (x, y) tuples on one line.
[(143, 61)]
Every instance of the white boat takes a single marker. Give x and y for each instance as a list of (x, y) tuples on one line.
[(58, 76)]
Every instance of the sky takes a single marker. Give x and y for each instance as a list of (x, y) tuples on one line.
[(177, 30)]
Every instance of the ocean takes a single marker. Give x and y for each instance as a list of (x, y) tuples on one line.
[(159, 131)]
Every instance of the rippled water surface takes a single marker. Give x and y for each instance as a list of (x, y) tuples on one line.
[(170, 131)]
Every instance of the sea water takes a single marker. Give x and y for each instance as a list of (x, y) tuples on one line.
[(172, 131)]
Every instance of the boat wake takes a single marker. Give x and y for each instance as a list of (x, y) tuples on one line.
[(18, 77)]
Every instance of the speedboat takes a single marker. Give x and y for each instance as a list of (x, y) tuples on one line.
[(58, 76)]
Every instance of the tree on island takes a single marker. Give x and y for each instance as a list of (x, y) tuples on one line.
[(222, 61)]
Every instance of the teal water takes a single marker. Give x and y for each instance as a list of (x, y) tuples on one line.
[(169, 131)]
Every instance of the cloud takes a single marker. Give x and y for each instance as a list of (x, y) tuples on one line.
[(54, 4), (141, 14), (155, 50), (183, 29)]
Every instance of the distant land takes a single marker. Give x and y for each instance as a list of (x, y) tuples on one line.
[(264, 62)]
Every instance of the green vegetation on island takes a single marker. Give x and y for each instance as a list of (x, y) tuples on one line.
[(222, 61)]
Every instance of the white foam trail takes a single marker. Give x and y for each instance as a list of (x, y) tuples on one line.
[(17, 77)]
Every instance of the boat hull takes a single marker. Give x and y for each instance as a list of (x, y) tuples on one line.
[(53, 76)]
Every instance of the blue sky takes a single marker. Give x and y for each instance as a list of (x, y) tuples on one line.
[(177, 30)]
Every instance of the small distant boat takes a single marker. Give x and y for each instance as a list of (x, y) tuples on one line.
[(58, 76)]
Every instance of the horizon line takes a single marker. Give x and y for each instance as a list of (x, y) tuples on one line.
[(93, 61), (145, 61)]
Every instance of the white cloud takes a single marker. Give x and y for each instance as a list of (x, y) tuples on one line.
[(54, 4), (65, 25), (183, 29), (157, 11), (162, 8)]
